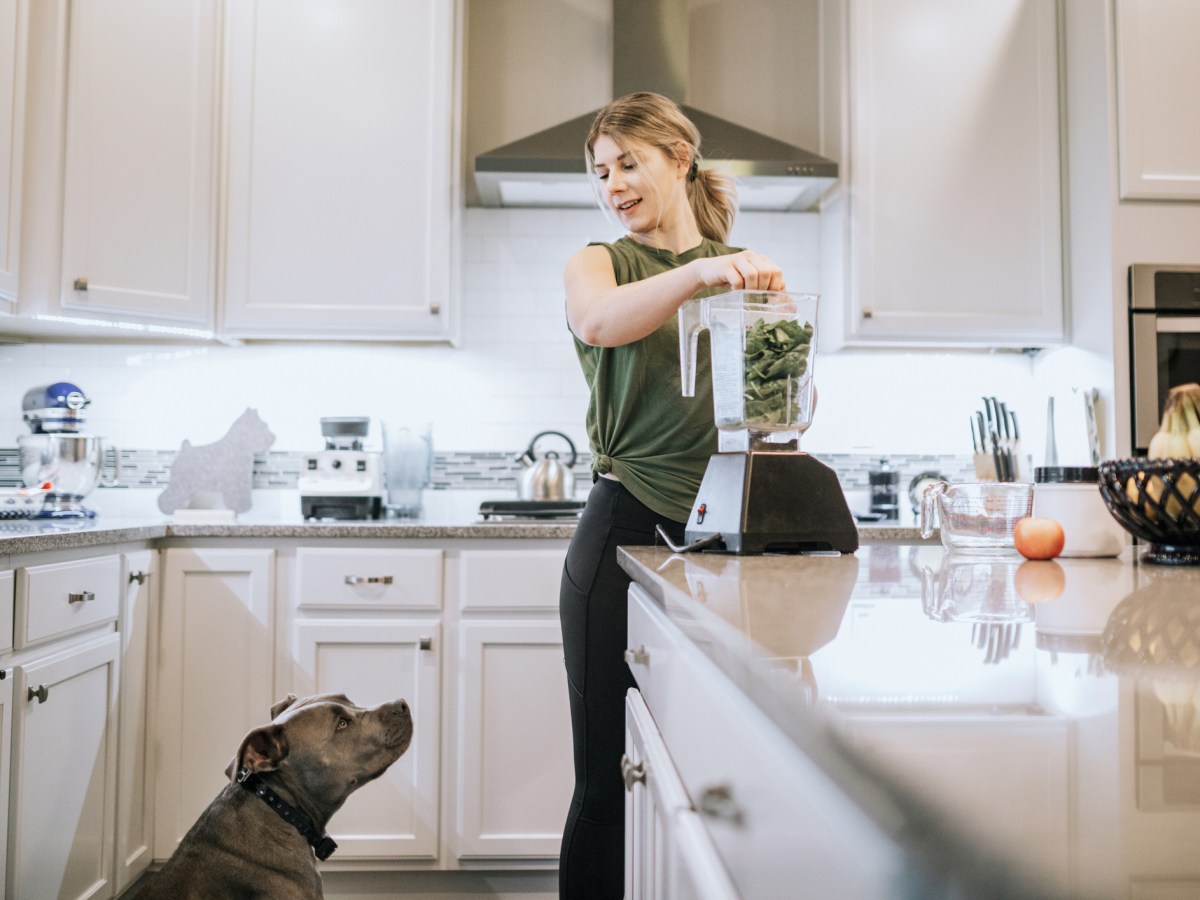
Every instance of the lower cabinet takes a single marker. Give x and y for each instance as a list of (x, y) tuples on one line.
[(372, 661), (214, 677), (63, 790), (6, 702), (668, 854)]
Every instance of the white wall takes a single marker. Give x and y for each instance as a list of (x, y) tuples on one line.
[(515, 372)]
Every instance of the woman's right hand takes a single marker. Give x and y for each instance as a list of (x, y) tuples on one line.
[(745, 270)]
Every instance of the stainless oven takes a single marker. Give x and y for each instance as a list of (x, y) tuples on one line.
[(1164, 340)]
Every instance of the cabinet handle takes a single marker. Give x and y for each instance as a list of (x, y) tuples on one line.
[(139, 577), (717, 803), (41, 692), (425, 643), (81, 284), (632, 773), (637, 656), (369, 579), (81, 597), (868, 312)]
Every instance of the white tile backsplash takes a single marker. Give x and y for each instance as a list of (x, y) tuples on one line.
[(515, 372)]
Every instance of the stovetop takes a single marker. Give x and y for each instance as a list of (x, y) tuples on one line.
[(530, 509)]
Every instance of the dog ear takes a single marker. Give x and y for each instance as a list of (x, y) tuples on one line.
[(283, 704), (262, 751)]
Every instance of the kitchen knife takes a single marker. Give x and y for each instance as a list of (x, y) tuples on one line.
[(1002, 416), (974, 440)]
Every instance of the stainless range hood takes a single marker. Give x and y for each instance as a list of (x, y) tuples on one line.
[(547, 169)]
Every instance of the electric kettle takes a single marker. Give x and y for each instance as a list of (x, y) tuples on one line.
[(548, 478)]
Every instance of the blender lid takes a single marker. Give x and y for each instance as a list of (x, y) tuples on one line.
[(52, 408)]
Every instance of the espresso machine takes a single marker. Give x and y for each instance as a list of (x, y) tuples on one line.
[(760, 492), (57, 453), (343, 481)]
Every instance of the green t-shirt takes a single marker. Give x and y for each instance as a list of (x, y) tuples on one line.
[(640, 426)]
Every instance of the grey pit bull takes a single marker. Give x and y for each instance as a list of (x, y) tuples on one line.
[(263, 834)]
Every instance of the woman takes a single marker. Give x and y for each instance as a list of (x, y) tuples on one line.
[(650, 445)]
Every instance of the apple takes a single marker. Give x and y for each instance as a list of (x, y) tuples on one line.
[(1036, 537)]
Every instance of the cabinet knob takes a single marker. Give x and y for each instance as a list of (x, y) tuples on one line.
[(717, 802), (81, 284), (637, 656), (868, 313), (40, 693), (81, 597), (369, 579), (139, 577), (425, 643), (632, 773)]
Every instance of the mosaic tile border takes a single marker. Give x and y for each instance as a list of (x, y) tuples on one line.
[(493, 469)]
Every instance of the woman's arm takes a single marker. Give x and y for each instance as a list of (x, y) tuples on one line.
[(605, 314)]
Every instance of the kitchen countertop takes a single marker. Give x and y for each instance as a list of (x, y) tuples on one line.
[(446, 515), (1037, 723)]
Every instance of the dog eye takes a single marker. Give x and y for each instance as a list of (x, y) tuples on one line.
[(343, 723)]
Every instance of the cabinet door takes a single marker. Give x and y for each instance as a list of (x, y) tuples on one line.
[(6, 701), (7, 589), (214, 684), (63, 789), (14, 15), (514, 718), (135, 758), (340, 168), (955, 197), (139, 163), (1158, 91), (668, 854), (372, 661)]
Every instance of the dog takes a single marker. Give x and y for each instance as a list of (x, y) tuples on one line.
[(264, 833)]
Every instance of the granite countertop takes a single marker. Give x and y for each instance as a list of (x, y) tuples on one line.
[(446, 515), (1043, 714)]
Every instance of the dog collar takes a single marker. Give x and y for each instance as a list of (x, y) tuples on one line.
[(323, 845)]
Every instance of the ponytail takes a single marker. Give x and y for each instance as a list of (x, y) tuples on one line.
[(713, 201)]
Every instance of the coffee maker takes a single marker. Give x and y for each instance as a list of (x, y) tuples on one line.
[(343, 481), (58, 453)]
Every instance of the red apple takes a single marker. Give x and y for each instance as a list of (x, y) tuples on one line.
[(1036, 537), (1040, 580)]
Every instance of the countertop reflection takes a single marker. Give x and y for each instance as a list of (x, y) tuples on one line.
[(1048, 711)]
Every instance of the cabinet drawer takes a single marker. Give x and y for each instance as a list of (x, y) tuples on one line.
[(368, 578), (6, 610), (59, 598), (511, 579)]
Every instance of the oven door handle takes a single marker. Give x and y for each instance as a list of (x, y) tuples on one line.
[(1177, 324)]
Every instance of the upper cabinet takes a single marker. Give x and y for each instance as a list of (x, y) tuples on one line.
[(130, 162), (14, 20), (948, 226), (341, 183), (1158, 93)]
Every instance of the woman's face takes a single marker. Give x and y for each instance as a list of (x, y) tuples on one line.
[(640, 184)]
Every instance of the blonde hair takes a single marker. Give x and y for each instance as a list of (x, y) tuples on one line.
[(657, 121)]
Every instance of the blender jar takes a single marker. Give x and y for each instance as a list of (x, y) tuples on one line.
[(762, 364)]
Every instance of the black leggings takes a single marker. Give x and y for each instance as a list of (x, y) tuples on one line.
[(594, 614)]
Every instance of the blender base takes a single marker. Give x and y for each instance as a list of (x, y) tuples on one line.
[(763, 502)]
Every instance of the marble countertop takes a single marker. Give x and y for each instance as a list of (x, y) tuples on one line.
[(445, 515), (1045, 714)]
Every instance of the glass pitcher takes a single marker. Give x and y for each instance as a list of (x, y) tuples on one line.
[(762, 364)]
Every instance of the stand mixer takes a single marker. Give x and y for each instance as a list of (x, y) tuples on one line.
[(760, 492), (57, 453)]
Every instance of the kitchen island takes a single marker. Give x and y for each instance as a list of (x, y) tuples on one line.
[(907, 722)]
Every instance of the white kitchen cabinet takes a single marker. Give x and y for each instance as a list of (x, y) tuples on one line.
[(134, 844), (7, 597), (341, 169), (64, 773), (214, 679), (950, 208), (668, 855), (14, 23), (513, 775), (138, 161), (6, 706), (1158, 92), (372, 661)]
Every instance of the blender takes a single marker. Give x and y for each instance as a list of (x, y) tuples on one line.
[(343, 481), (57, 453), (761, 493)]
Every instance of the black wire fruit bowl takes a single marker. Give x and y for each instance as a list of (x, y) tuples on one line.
[(1158, 501)]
